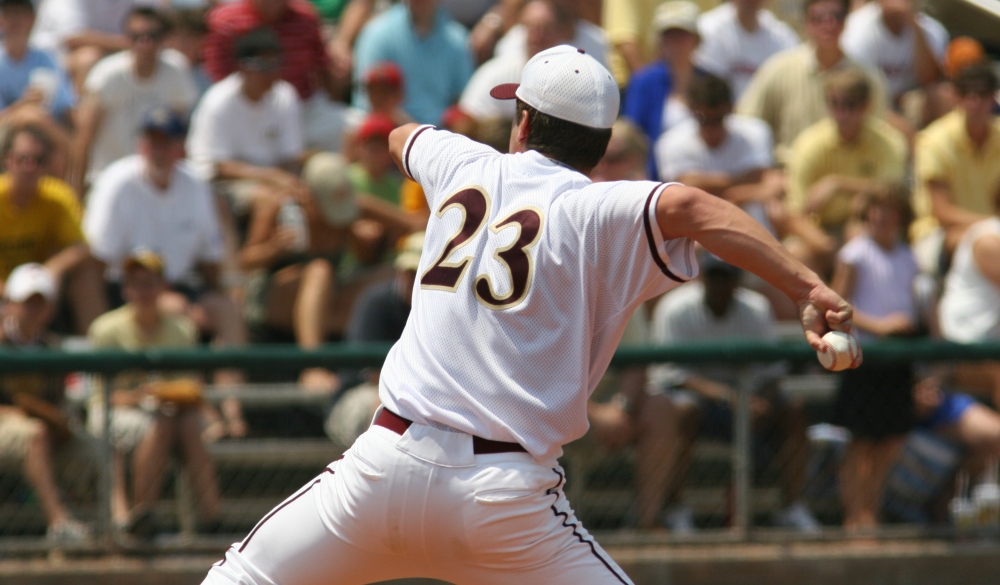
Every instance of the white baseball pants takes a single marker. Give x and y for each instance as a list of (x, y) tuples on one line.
[(422, 505)]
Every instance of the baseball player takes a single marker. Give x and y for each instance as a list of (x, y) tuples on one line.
[(528, 276)]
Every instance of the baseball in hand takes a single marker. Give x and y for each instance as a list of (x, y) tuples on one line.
[(842, 350)]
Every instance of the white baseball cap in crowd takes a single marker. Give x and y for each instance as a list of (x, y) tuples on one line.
[(566, 83), (678, 14), (28, 280), (326, 175)]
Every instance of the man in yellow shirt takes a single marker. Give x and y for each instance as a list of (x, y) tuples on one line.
[(787, 91), (843, 154), (957, 159), (40, 222)]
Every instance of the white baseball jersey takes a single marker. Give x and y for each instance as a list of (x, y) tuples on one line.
[(528, 277)]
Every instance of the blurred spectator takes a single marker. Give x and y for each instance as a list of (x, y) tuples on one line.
[(491, 26), (188, 33), (737, 37), (626, 154), (247, 129), (547, 24), (304, 61), (957, 416), (631, 33), (379, 315), (40, 222), (656, 98), (845, 153), (421, 38), (82, 32), (374, 173), (152, 200), (29, 76), (582, 34), (33, 427), (787, 91), (152, 413), (955, 159), (716, 308), (875, 271), (894, 37), (120, 90), (384, 85)]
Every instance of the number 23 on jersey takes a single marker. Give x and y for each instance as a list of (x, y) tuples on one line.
[(474, 203)]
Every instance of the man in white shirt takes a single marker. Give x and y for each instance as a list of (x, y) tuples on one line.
[(583, 35), (247, 130), (152, 200), (121, 89), (737, 37), (547, 24), (892, 36)]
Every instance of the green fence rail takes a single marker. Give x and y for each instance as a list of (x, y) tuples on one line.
[(290, 358)]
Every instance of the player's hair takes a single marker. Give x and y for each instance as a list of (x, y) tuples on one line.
[(851, 82), (578, 146), (26, 4), (256, 43), (190, 20), (891, 194), (709, 91), (977, 77), (150, 13), (34, 130), (844, 4)]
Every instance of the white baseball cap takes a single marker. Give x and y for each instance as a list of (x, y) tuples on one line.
[(566, 83), (327, 176), (28, 280), (679, 14)]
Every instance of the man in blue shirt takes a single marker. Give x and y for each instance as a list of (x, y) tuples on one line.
[(428, 46), (27, 75)]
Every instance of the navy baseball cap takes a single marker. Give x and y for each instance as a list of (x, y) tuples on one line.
[(166, 121)]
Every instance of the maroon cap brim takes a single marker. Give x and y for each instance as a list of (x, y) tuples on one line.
[(505, 91)]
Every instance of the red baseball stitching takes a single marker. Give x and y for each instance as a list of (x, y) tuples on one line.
[(833, 355)]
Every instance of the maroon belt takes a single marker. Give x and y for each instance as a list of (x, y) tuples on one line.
[(480, 446)]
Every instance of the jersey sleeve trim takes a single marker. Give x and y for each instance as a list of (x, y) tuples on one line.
[(653, 248), (409, 146)]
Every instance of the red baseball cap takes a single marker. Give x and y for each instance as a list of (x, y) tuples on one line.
[(384, 72), (375, 126)]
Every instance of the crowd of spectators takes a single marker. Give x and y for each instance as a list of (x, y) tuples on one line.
[(185, 173)]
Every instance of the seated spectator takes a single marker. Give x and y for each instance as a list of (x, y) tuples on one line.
[(955, 159), (33, 427), (374, 172), (40, 222), (120, 90), (717, 308), (845, 153), (629, 26), (738, 36), (492, 25), (29, 76), (957, 416), (152, 200), (903, 43), (305, 63), (188, 32), (152, 413), (581, 34), (379, 315), (417, 36), (787, 91), (626, 155), (656, 97), (875, 272), (547, 24), (384, 85), (247, 130)]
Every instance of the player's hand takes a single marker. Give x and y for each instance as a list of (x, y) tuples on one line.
[(823, 310)]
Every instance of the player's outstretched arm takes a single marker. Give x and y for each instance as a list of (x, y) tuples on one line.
[(397, 140), (728, 232)]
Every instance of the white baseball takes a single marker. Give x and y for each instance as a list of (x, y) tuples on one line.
[(841, 351)]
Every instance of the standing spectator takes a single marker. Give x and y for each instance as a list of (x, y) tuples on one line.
[(787, 91), (629, 25), (716, 308), (428, 46), (845, 153), (304, 63), (581, 34), (152, 413), (29, 75), (955, 159), (33, 427), (738, 36), (875, 271), (152, 200), (247, 129), (120, 90), (656, 97), (894, 37), (40, 222), (546, 24)]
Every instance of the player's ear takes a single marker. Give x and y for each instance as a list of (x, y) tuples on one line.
[(523, 128)]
